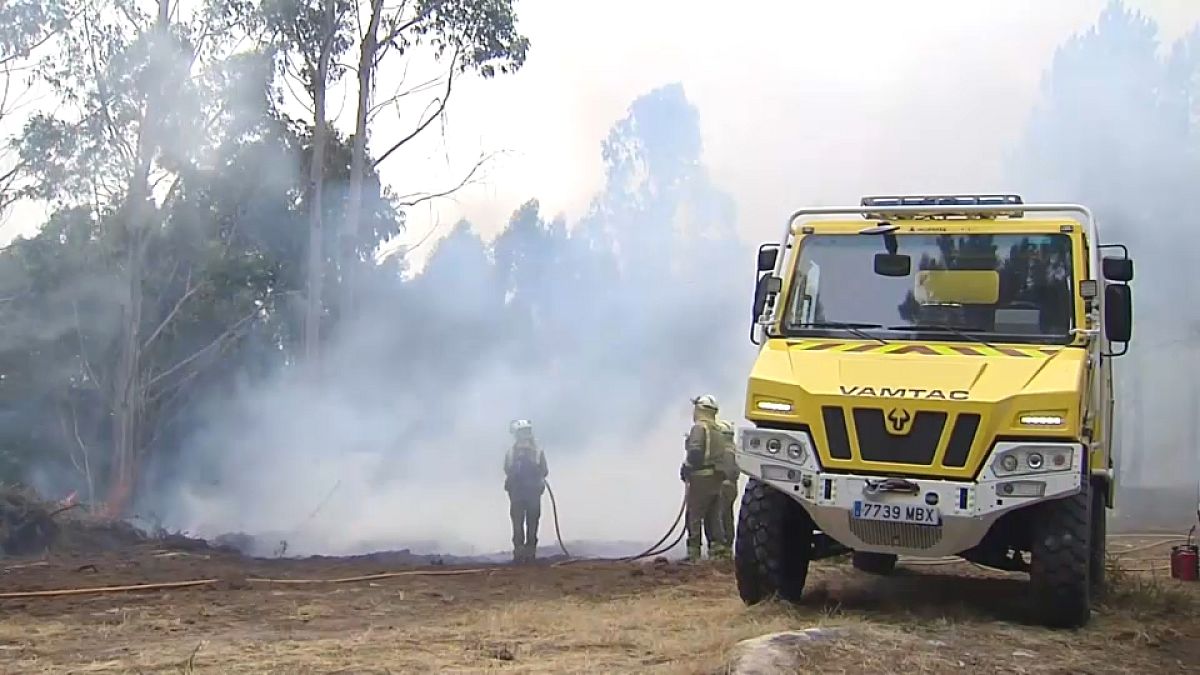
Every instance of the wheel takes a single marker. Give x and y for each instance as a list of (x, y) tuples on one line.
[(1098, 559), (1060, 573), (874, 563), (773, 545)]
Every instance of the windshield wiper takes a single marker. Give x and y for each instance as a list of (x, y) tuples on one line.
[(939, 327), (853, 327)]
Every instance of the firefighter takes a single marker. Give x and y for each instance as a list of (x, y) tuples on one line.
[(701, 470), (729, 487), (525, 474)]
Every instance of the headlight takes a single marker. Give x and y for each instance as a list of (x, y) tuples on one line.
[(794, 448), (1042, 420), (1017, 460), (774, 406)]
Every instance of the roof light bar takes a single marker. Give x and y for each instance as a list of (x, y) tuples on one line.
[(940, 204)]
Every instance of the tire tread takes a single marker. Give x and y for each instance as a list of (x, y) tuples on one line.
[(1060, 573), (773, 545)]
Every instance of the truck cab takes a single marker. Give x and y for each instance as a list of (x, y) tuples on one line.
[(934, 379)]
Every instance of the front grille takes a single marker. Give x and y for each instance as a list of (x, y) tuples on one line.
[(876, 443), (835, 431), (961, 438), (902, 535)]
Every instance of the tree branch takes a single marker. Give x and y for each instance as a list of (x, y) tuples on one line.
[(87, 364), (290, 73), (87, 461), (62, 422), (398, 95), (41, 42), (228, 334), (121, 144), (419, 198), (400, 28), (441, 108), (174, 390), (437, 223), (189, 291)]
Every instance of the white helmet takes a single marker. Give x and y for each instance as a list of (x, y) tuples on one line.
[(518, 426), (705, 401)]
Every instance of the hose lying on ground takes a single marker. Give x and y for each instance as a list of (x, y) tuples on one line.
[(650, 552), (165, 585), (98, 590), (109, 589), (655, 550), (660, 551)]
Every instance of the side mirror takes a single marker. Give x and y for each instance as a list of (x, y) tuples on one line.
[(767, 285), (893, 264), (1118, 312), (1118, 269), (767, 255)]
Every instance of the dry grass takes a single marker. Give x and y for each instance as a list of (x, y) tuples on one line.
[(943, 620)]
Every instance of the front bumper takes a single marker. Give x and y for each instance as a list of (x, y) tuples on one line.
[(967, 509)]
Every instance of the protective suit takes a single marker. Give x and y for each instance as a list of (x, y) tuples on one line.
[(703, 471), (729, 488), (525, 474)]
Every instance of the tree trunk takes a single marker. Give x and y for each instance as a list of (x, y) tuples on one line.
[(126, 408), (316, 257), (128, 396), (358, 161)]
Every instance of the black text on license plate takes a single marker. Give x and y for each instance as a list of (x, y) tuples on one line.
[(898, 513)]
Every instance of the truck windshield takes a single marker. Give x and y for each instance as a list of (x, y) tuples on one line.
[(974, 287)]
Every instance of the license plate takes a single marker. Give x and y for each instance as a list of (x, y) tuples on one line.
[(915, 514)]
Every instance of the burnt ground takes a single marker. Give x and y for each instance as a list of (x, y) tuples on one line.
[(585, 617)]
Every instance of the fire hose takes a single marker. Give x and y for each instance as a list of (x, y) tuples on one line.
[(165, 585), (554, 510), (654, 550), (657, 549)]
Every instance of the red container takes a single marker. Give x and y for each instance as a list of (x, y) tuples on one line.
[(1185, 562)]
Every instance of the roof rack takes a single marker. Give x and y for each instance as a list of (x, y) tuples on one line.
[(943, 206)]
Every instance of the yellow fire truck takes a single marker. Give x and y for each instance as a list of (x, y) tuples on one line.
[(934, 378)]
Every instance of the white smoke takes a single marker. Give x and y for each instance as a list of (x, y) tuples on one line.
[(402, 441)]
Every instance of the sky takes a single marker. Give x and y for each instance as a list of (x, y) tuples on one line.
[(801, 103)]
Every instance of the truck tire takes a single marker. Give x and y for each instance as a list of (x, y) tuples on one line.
[(773, 545), (1060, 572), (874, 563), (1098, 558)]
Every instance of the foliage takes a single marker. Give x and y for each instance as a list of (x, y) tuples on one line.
[(175, 258)]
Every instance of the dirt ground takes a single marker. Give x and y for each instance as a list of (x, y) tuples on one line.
[(585, 617)]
